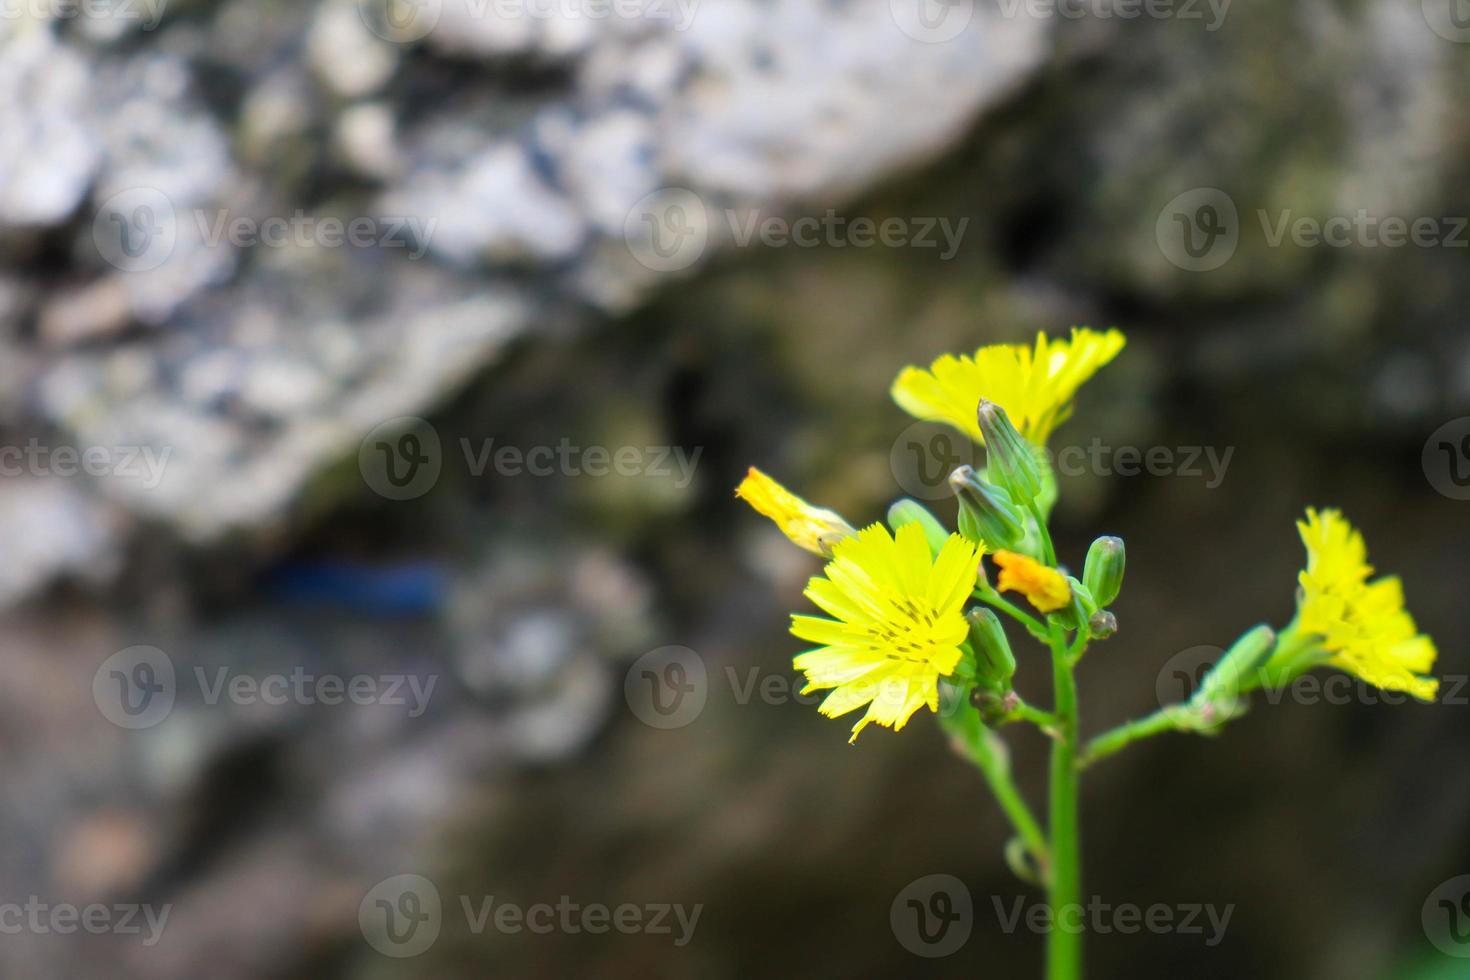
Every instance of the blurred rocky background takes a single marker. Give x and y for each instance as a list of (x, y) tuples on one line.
[(238, 448)]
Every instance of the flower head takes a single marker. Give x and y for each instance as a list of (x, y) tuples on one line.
[(1044, 587), (1035, 385), (1362, 625), (813, 528), (899, 623)]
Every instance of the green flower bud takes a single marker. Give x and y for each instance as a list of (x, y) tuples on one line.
[(1012, 461), (995, 707), (1102, 625), (986, 512), (1238, 671), (1103, 573), (908, 511), (995, 665)]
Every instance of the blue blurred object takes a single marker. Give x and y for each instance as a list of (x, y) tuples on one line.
[(400, 590)]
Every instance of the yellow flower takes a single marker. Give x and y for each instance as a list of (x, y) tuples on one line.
[(1362, 624), (1044, 587), (899, 623), (1034, 386), (812, 528)]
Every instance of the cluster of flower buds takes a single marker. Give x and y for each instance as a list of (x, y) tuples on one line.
[(998, 508), (1102, 578)]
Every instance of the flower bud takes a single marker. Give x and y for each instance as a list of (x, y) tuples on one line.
[(1103, 574), (1102, 625), (994, 707), (1012, 461), (995, 665), (986, 512), (908, 511), (1233, 676)]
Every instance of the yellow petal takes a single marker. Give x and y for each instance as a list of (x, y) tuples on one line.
[(813, 528)]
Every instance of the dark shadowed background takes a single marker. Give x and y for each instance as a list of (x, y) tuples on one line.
[(475, 466)]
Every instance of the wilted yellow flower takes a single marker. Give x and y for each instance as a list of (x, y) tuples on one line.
[(1362, 624), (1044, 587), (813, 528), (1034, 385), (899, 623)]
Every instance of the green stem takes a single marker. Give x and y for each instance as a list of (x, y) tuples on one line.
[(1064, 942), (1037, 717), (1123, 736)]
